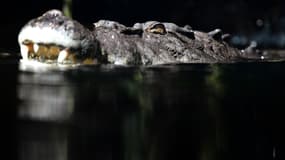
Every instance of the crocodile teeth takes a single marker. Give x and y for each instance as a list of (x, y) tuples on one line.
[(41, 52), (53, 51), (36, 47), (63, 55), (26, 49), (46, 53)]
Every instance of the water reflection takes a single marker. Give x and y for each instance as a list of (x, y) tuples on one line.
[(46, 102), (203, 112), (45, 96)]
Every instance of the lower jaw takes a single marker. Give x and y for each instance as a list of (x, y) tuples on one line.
[(47, 60), (52, 54)]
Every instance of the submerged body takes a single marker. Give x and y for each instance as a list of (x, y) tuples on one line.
[(54, 38)]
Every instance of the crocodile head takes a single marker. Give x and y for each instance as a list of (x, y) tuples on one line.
[(56, 39)]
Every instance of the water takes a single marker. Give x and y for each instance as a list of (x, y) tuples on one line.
[(196, 111)]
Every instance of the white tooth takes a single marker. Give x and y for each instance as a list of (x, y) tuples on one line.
[(62, 56), (36, 47), (24, 51)]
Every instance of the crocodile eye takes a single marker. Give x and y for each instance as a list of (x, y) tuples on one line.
[(157, 29)]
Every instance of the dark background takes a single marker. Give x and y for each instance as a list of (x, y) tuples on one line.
[(239, 17), (253, 129)]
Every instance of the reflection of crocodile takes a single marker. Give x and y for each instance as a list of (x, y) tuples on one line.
[(54, 38)]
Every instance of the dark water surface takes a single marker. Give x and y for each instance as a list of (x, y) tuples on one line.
[(200, 112)]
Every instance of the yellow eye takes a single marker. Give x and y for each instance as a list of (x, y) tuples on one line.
[(157, 29)]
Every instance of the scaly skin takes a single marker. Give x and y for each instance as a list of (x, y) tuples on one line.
[(149, 43)]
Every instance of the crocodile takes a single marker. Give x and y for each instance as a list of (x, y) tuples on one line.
[(53, 38)]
